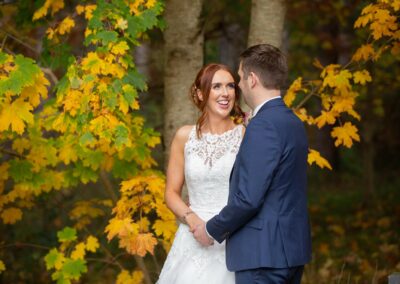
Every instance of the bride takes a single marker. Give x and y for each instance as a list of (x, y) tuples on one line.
[(202, 155)]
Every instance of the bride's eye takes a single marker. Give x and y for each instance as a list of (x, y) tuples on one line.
[(231, 86), (216, 86)]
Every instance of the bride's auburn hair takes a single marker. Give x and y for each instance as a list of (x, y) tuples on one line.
[(203, 84)]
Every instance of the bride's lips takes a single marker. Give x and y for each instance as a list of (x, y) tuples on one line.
[(224, 104)]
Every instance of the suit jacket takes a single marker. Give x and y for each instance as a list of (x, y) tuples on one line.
[(265, 222)]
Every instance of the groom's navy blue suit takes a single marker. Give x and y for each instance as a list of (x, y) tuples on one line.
[(265, 222)]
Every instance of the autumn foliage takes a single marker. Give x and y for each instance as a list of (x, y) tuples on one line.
[(87, 129), (84, 128)]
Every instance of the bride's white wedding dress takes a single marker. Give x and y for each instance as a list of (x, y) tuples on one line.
[(208, 163)]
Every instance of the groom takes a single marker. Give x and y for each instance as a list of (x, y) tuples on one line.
[(265, 222)]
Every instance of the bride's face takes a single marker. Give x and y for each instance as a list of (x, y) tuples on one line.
[(222, 94)]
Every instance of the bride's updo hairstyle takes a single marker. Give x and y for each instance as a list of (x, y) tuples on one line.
[(202, 83)]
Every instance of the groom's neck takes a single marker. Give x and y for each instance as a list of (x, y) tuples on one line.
[(264, 95)]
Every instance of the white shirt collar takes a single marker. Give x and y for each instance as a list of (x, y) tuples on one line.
[(257, 108)]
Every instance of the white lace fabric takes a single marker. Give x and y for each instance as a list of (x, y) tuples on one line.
[(208, 163)]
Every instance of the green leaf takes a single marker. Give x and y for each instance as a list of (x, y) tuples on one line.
[(51, 258), (85, 174), (130, 94), (86, 138), (107, 36), (67, 234), (121, 133), (124, 169), (3, 57), (111, 100), (21, 77), (20, 170), (74, 268), (75, 82), (136, 79)]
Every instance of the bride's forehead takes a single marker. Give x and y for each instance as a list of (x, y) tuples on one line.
[(222, 76)]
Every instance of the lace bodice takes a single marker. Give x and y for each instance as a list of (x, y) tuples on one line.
[(208, 163)]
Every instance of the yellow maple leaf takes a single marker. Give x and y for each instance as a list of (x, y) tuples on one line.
[(2, 266), (139, 244), (79, 251), (121, 227), (396, 5), (11, 215), (120, 48), (15, 114), (364, 20), (41, 12), (342, 79), (302, 114), (92, 244), (336, 78), (4, 171), (291, 93), (67, 154), (20, 145), (93, 63), (362, 77), (384, 24), (345, 134), (326, 101), (123, 105), (137, 276), (54, 5), (165, 228), (128, 185), (150, 4), (37, 157), (80, 9), (155, 184), (121, 24), (365, 52), (89, 11), (326, 117), (124, 277), (66, 25), (50, 33), (72, 102), (315, 157)]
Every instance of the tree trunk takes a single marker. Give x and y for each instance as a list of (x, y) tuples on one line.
[(183, 59), (267, 21)]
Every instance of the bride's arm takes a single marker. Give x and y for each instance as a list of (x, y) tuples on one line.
[(176, 178)]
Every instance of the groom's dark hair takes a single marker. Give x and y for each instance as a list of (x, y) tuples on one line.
[(268, 63)]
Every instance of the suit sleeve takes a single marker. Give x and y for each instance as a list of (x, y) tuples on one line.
[(259, 157)]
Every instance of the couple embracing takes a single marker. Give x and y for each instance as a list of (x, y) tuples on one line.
[(247, 221)]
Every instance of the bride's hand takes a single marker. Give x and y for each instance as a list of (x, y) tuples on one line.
[(193, 221)]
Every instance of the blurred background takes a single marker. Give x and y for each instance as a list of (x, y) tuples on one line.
[(354, 208)]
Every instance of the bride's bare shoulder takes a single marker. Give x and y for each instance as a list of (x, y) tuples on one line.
[(182, 134)]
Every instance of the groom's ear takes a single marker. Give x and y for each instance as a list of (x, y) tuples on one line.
[(253, 79)]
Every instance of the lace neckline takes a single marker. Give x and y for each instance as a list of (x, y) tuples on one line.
[(211, 147), (221, 134)]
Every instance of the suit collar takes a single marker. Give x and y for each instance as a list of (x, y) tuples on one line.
[(271, 103)]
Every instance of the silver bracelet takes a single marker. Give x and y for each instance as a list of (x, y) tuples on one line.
[(185, 215)]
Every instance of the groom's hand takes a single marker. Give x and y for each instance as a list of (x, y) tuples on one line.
[(201, 235)]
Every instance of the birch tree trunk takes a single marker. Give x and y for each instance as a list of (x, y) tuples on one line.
[(183, 59), (267, 21)]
